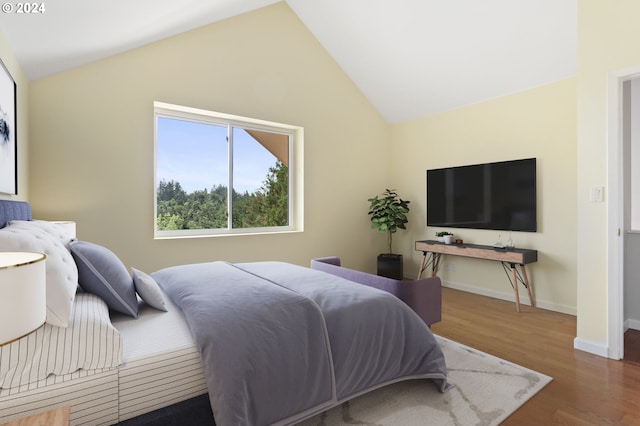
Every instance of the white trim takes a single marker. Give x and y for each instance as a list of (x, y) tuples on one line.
[(510, 296), (595, 348), (615, 212), (632, 324), (221, 117), (295, 136), (614, 190)]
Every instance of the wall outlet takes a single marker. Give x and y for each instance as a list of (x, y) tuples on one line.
[(450, 266)]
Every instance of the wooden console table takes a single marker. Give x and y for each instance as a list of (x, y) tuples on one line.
[(510, 258)]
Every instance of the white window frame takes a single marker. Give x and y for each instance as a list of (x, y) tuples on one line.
[(295, 168)]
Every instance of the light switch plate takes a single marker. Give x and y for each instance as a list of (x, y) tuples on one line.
[(596, 195)]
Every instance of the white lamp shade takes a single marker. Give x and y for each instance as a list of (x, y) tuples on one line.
[(23, 303)]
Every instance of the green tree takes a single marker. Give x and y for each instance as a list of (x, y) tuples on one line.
[(276, 195), (171, 190), (204, 209), (269, 205)]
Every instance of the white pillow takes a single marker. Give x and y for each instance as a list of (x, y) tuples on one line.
[(62, 272), (148, 289), (51, 228)]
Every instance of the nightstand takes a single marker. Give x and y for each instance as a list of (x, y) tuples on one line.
[(56, 417)]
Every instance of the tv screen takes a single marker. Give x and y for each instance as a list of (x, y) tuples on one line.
[(500, 196)]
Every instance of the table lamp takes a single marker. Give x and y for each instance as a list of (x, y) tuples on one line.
[(69, 226), (23, 303)]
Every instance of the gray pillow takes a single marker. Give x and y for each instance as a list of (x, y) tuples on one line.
[(101, 272), (148, 289)]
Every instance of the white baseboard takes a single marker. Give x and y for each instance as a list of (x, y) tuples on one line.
[(595, 348), (591, 347), (510, 296), (632, 324)]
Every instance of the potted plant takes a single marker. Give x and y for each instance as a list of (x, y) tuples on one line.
[(388, 214), (444, 237)]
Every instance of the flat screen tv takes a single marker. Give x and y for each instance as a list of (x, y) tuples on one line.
[(500, 196)]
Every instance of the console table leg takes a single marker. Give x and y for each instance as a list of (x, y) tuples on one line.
[(429, 258), (435, 261), (422, 264), (527, 285), (515, 287)]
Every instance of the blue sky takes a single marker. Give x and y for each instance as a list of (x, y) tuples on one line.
[(195, 155)]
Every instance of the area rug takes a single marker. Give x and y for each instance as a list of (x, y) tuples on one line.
[(486, 391)]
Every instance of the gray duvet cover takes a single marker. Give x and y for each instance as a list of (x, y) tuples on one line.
[(281, 342)]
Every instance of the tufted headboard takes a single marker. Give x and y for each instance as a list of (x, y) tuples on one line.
[(14, 210)]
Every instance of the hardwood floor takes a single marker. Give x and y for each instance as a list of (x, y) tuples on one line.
[(632, 346), (586, 389)]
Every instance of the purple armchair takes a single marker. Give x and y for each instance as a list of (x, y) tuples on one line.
[(424, 296)]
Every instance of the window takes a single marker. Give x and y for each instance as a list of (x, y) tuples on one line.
[(200, 154)]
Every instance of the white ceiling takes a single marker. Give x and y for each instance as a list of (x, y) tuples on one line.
[(411, 58)]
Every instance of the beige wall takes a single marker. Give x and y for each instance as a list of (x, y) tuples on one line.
[(608, 40), (22, 91), (91, 146), (538, 123), (92, 140)]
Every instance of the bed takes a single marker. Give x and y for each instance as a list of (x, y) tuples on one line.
[(301, 342)]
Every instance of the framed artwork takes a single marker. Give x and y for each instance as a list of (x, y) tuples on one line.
[(8, 133)]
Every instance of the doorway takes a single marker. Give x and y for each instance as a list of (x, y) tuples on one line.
[(631, 209), (623, 240)]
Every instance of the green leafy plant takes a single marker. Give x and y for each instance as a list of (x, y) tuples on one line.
[(388, 213), (443, 233)]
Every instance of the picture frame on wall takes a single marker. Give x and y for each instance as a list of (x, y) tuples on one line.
[(8, 133)]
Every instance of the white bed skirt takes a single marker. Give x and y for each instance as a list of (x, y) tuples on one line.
[(160, 381), (93, 400), (161, 367)]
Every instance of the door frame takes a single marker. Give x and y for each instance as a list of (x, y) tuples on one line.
[(615, 209)]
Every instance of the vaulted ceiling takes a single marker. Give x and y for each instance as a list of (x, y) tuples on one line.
[(411, 58)]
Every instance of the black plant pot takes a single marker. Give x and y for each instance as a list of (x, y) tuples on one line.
[(390, 266)]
